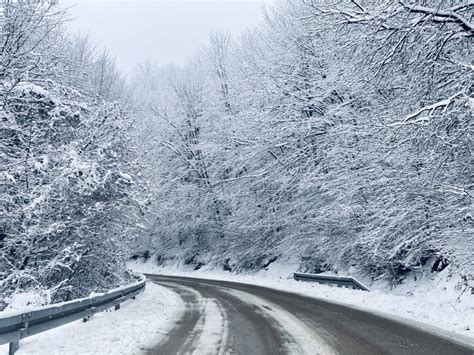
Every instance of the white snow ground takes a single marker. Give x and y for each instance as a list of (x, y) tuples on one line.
[(139, 324), (432, 303)]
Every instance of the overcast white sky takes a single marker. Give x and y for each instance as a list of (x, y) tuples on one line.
[(159, 30)]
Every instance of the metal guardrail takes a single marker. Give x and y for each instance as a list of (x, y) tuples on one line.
[(339, 281), (22, 325)]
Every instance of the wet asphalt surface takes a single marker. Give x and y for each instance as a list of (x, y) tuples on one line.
[(343, 330)]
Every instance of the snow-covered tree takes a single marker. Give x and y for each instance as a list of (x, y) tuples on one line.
[(339, 132), (68, 195)]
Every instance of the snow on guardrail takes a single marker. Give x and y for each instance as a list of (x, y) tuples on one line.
[(339, 281)]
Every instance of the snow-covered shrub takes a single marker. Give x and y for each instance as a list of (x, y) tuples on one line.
[(68, 198)]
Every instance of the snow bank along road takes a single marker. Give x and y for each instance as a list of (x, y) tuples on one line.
[(224, 317)]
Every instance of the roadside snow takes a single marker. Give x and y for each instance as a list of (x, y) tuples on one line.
[(138, 325), (26, 301), (433, 304)]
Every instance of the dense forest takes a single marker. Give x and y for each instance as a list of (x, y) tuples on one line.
[(336, 132)]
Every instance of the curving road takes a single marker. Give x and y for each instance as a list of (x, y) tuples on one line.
[(231, 318)]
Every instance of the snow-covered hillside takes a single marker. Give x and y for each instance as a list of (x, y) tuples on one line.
[(338, 134)]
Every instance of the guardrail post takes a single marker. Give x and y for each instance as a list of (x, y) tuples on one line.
[(117, 307), (25, 318), (14, 346)]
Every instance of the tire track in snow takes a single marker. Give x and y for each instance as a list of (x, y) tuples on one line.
[(301, 340), (262, 320), (202, 329), (226, 321)]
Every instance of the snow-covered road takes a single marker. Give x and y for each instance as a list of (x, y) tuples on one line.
[(221, 320), (223, 317)]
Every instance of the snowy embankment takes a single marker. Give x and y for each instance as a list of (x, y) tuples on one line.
[(433, 304), (138, 325)]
